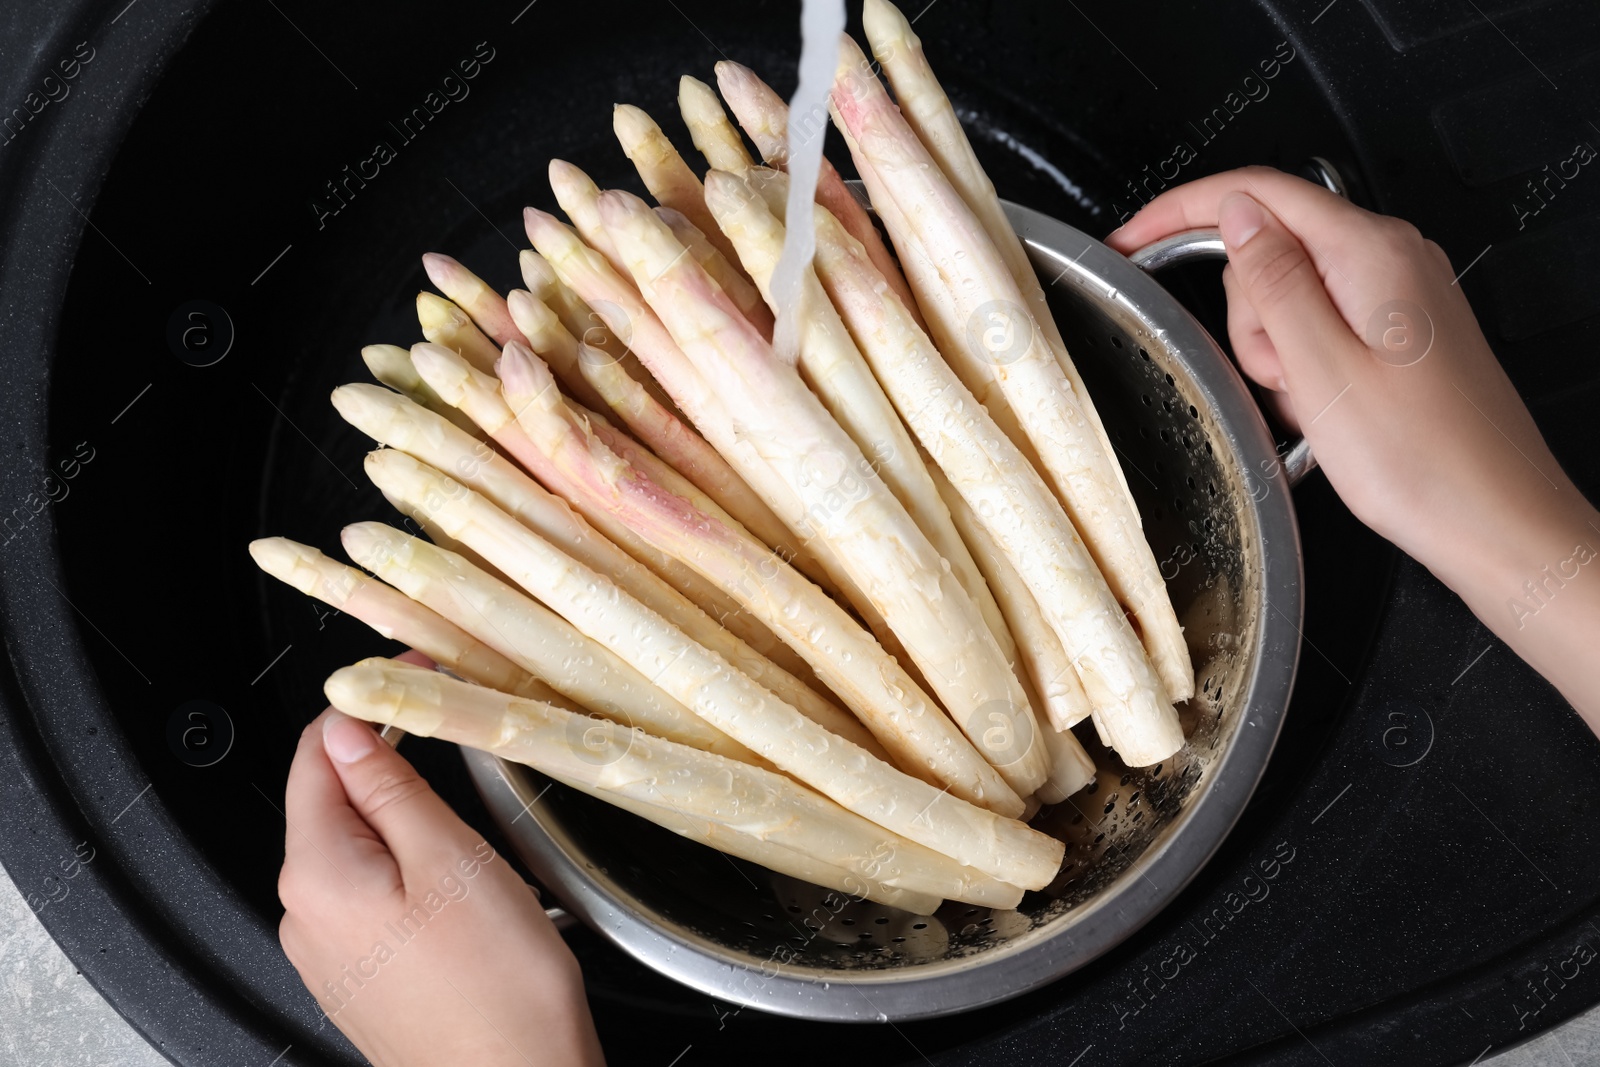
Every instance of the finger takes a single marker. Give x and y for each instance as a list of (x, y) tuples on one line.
[(1276, 276), (1252, 348), (387, 792), (325, 840), (1254, 351), (1195, 205)]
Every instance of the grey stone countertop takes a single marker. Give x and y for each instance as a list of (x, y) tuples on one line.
[(50, 1016)]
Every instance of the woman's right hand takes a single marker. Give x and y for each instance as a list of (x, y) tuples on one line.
[(1356, 324)]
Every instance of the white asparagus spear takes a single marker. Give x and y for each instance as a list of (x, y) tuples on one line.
[(430, 529), (725, 274), (478, 394), (608, 279), (849, 774), (664, 172), (716, 138), (446, 324), (749, 846), (1054, 678), (675, 482), (929, 113), (580, 320), (765, 117), (530, 635), (397, 617), (490, 312), (786, 861), (578, 195), (833, 367), (391, 365), (917, 735), (1010, 499), (653, 772), (473, 295), (651, 422), (463, 331), (978, 292), (394, 421), (587, 270), (843, 500), (605, 278)]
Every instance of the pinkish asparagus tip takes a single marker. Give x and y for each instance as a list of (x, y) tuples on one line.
[(439, 267), (519, 376), (618, 205)]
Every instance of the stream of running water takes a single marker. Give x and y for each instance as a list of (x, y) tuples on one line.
[(821, 24)]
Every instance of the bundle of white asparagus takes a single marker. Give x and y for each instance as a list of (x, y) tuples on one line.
[(832, 603)]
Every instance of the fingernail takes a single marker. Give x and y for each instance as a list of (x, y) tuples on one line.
[(1239, 218), (347, 740)]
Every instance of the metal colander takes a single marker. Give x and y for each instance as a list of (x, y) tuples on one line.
[(1214, 497)]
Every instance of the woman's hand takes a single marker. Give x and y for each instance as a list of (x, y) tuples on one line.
[(1353, 320), (420, 943)]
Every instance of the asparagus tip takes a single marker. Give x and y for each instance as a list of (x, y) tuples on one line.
[(365, 541), (434, 311), (617, 205), (522, 374), (380, 358), (272, 553), (290, 562), (537, 222), (439, 267), (632, 124), (436, 361), (358, 402), (354, 690), (722, 183), (562, 173), (536, 270)]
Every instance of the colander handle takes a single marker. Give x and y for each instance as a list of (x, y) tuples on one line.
[(1187, 247)]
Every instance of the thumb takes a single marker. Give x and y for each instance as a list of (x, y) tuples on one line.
[(418, 827), (1280, 281)]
